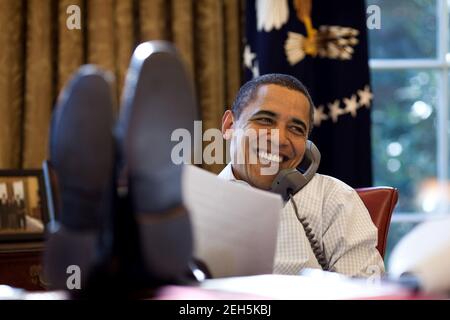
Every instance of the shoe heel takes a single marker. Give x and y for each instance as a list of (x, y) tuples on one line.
[(78, 178)]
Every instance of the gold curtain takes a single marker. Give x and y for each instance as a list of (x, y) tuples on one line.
[(38, 54)]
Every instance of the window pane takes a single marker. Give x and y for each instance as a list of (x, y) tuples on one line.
[(404, 135), (408, 29)]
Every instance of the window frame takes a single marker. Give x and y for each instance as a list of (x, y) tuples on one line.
[(440, 64)]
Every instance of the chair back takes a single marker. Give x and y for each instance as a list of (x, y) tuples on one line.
[(380, 202)]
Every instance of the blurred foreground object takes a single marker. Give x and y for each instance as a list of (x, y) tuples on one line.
[(425, 254), (120, 225)]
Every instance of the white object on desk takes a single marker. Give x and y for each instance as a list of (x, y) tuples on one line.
[(318, 285), (425, 253), (234, 225)]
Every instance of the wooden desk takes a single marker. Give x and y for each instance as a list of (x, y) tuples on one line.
[(21, 265)]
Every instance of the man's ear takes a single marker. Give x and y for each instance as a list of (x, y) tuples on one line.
[(227, 124)]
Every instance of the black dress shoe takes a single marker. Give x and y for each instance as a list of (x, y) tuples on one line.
[(158, 99), (81, 161)]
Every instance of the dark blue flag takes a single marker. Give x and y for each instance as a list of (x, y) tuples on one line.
[(323, 43)]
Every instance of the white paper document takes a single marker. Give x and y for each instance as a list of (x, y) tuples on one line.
[(234, 225)]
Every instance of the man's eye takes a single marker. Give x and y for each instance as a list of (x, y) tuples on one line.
[(264, 120), (298, 130)]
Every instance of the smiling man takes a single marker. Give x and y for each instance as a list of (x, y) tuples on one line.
[(279, 109)]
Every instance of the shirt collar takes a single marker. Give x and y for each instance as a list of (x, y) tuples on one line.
[(227, 174)]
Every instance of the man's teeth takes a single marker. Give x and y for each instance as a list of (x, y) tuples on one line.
[(270, 156)]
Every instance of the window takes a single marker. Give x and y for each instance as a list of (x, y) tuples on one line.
[(410, 61)]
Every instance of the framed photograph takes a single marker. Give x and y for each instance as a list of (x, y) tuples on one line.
[(23, 205)]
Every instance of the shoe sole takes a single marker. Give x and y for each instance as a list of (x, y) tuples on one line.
[(81, 155), (158, 99)]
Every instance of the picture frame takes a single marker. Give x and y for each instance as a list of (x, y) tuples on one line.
[(23, 205)]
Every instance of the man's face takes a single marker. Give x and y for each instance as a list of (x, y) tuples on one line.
[(274, 107)]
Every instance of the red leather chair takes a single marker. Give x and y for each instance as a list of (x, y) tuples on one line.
[(380, 202)]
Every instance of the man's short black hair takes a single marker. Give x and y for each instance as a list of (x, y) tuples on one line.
[(248, 91)]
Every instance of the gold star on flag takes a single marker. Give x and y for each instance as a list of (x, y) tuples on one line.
[(248, 57), (255, 70), (351, 105), (365, 96), (319, 116), (335, 111)]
